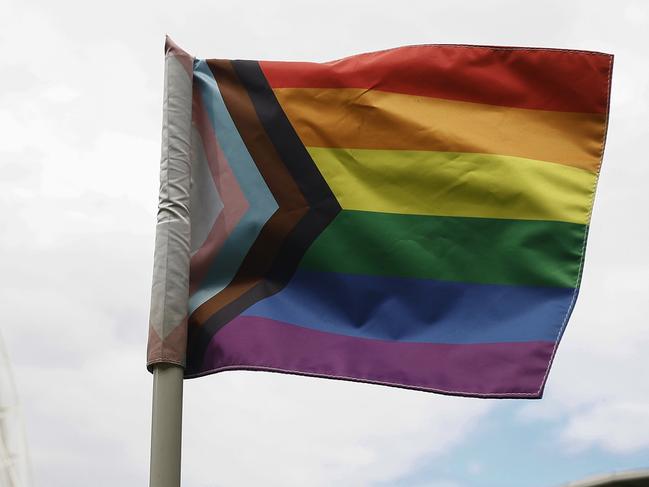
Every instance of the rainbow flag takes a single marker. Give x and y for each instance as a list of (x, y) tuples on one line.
[(415, 217)]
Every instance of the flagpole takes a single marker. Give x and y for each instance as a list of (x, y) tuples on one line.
[(166, 425), (170, 289)]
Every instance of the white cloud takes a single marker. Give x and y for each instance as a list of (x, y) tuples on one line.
[(620, 426), (80, 116), (300, 431)]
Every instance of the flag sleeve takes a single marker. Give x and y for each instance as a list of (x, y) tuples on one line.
[(168, 318)]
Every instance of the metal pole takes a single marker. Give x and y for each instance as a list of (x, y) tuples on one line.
[(166, 425)]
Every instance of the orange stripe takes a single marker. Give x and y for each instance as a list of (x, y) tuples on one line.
[(367, 119)]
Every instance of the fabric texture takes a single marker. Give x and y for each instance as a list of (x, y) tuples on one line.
[(415, 217)]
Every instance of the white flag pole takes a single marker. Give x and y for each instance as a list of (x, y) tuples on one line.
[(168, 320), (166, 426)]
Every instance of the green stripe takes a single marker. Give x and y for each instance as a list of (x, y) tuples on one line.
[(481, 250)]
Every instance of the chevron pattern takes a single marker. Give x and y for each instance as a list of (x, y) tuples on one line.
[(275, 201)]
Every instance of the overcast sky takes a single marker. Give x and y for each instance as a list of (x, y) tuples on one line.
[(80, 121)]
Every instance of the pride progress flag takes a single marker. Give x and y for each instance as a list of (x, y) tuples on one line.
[(414, 217)]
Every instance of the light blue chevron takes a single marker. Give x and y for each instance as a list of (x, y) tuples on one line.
[(262, 203)]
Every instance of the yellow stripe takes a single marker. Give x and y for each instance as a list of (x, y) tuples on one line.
[(455, 184), (373, 119)]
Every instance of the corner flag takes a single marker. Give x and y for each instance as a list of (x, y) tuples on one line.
[(415, 217)]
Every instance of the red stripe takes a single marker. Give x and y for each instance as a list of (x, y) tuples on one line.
[(546, 79)]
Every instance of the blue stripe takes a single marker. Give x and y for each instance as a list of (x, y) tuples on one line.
[(418, 310), (262, 203)]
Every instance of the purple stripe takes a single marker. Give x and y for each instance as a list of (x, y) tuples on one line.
[(515, 369)]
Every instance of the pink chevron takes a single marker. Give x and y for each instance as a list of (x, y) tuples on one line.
[(235, 203)]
